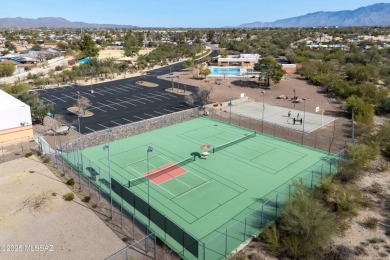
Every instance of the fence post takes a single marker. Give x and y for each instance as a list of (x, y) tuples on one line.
[(146, 239), (289, 191), (315, 142), (204, 251), (121, 215), (245, 229), (226, 243), (311, 184), (276, 205), (155, 242), (262, 210)]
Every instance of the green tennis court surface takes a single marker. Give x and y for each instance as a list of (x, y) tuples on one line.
[(202, 208)]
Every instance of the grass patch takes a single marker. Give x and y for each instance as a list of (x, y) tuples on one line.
[(69, 196), (370, 223)]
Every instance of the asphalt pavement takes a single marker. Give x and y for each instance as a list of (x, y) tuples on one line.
[(121, 101)]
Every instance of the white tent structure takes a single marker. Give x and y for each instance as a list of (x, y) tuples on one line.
[(15, 120)]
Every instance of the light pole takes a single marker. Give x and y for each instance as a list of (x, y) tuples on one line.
[(54, 132), (178, 82), (304, 117), (150, 149), (79, 154), (230, 105), (262, 118), (107, 148)]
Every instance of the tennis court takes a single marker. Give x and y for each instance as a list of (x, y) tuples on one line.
[(202, 208)]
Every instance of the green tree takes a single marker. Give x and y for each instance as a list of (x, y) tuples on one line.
[(88, 47), (38, 109), (363, 112), (270, 68), (6, 69), (132, 44)]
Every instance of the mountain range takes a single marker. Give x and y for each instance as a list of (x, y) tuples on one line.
[(372, 15), (53, 22)]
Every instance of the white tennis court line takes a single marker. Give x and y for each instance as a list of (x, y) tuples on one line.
[(172, 177), (149, 179), (191, 190)]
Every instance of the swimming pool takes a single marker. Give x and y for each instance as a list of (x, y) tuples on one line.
[(83, 60), (226, 71)]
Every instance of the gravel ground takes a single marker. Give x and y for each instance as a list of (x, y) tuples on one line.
[(34, 213)]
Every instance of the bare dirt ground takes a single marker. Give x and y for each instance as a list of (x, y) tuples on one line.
[(34, 213)]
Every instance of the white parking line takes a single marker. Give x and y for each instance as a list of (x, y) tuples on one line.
[(176, 108), (126, 102), (116, 123), (159, 113), (168, 110), (104, 126), (127, 120), (104, 105), (48, 100), (149, 115), (89, 129), (93, 107), (74, 98), (139, 117), (58, 98), (116, 103)]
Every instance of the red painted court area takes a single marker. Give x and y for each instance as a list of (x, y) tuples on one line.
[(165, 173)]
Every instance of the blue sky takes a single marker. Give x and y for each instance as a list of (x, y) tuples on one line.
[(174, 13)]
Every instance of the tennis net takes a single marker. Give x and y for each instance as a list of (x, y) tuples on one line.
[(159, 172), (223, 146)]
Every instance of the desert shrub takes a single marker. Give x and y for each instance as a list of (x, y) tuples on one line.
[(376, 240), (358, 158), (71, 182), (341, 252), (375, 188), (271, 236), (342, 199), (46, 159), (69, 196), (359, 251), (370, 223), (306, 225), (387, 201), (240, 256), (28, 154), (53, 194), (86, 199), (58, 68)]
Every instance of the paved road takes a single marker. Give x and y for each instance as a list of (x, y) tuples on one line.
[(118, 102)]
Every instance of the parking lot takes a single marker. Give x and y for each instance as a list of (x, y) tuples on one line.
[(117, 102)]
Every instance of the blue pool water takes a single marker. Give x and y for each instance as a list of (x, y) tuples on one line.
[(83, 60), (231, 71)]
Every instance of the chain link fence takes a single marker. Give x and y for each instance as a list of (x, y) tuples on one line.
[(314, 139), (15, 151)]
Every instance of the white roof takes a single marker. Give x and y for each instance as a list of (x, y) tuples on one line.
[(8, 102)]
